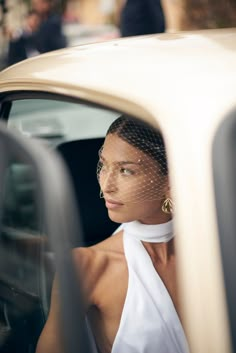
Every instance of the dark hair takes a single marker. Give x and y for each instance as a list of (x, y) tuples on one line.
[(143, 137)]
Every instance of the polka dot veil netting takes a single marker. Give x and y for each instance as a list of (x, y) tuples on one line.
[(132, 164)]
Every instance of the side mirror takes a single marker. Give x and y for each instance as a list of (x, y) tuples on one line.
[(38, 218)]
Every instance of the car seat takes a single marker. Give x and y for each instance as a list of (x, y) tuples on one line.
[(81, 158)]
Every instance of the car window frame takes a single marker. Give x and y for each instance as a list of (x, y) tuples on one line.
[(6, 100), (224, 176)]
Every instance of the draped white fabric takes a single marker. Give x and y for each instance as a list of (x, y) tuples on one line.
[(149, 322), (151, 233)]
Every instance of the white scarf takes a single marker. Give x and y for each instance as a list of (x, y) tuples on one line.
[(151, 233)]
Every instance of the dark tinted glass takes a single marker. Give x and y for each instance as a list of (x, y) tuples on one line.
[(26, 262)]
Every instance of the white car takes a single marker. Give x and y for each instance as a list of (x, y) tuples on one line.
[(183, 84)]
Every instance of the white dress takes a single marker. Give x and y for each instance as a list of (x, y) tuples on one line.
[(149, 321)]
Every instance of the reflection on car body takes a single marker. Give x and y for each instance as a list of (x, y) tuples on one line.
[(183, 84)]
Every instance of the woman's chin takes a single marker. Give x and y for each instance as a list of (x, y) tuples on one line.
[(119, 218)]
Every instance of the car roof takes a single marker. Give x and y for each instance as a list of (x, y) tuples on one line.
[(146, 50), (187, 66)]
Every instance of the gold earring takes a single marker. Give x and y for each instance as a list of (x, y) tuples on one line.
[(167, 206)]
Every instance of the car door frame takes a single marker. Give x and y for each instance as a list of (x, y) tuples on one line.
[(58, 210)]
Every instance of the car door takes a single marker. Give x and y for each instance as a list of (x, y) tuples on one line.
[(33, 250)]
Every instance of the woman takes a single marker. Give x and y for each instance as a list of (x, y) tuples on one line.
[(130, 287)]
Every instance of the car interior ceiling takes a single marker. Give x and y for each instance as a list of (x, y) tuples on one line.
[(81, 157)]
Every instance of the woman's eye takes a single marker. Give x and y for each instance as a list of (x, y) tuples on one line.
[(126, 171)]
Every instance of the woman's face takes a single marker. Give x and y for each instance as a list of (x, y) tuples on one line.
[(131, 183)]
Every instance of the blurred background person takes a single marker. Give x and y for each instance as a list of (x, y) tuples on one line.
[(22, 41), (50, 34), (141, 17), (87, 21), (42, 32)]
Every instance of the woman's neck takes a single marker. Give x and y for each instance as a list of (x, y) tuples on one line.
[(156, 219), (161, 253)]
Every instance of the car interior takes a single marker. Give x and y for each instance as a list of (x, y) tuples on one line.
[(76, 155)]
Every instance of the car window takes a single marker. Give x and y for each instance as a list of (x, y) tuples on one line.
[(77, 131), (30, 249), (20, 209), (58, 120), (26, 268)]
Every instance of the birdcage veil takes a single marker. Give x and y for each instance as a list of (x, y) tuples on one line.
[(141, 175)]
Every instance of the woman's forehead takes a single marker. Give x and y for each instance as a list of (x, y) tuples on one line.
[(116, 148)]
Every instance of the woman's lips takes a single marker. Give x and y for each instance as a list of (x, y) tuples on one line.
[(111, 204)]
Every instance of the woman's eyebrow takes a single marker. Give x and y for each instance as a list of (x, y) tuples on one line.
[(122, 162), (128, 162)]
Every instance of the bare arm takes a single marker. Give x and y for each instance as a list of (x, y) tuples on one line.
[(50, 340)]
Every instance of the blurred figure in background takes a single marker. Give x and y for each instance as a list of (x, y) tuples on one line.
[(142, 17), (41, 33), (146, 16), (22, 41), (49, 35)]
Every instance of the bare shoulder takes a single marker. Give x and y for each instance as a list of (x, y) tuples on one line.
[(98, 255), (94, 262)]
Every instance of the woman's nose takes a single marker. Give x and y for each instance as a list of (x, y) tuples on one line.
[(108, 182)]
